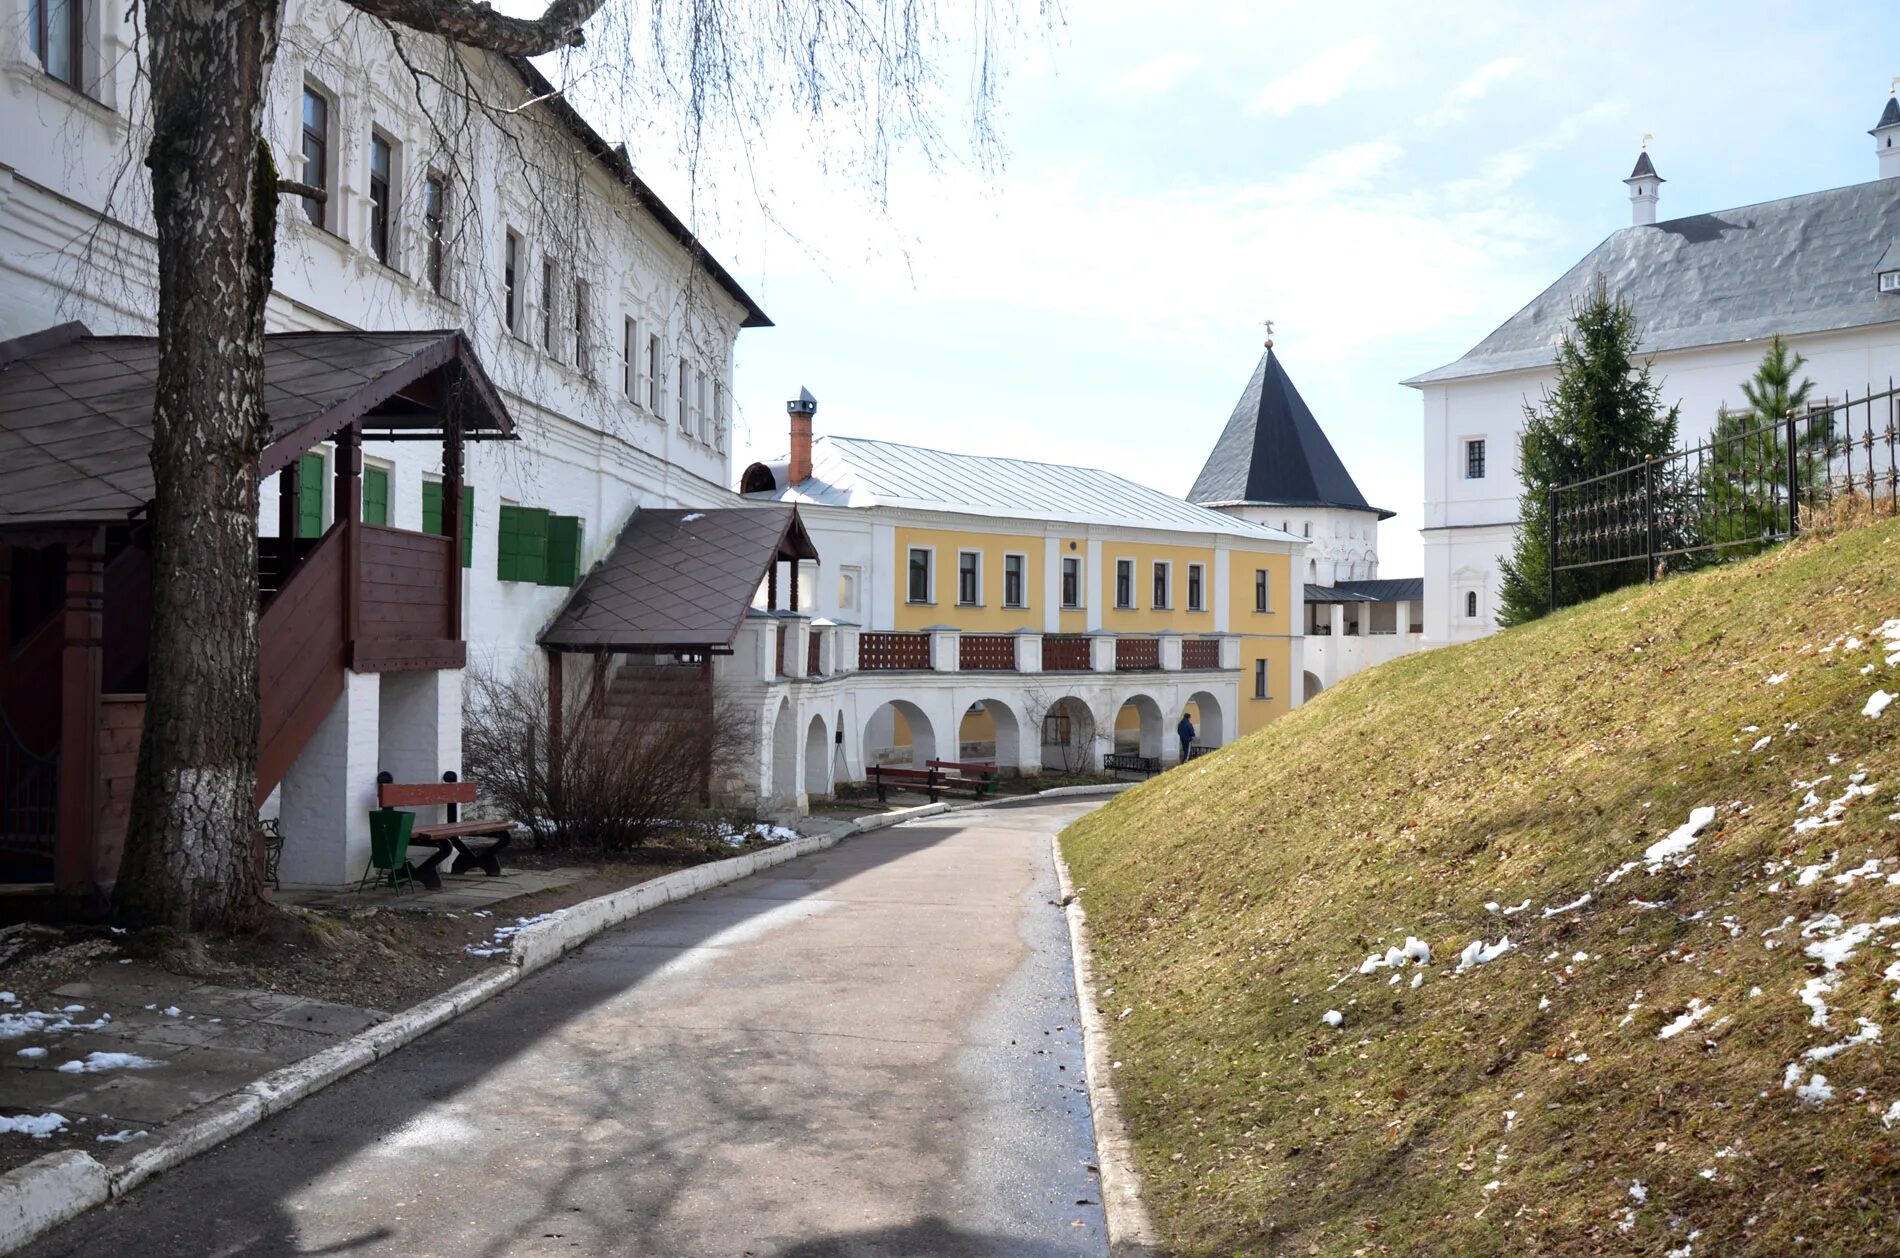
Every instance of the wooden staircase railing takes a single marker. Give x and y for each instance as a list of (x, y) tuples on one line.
[(300, 664)]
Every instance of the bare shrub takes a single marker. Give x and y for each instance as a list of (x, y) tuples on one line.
[(621, 781), (1064, 723)]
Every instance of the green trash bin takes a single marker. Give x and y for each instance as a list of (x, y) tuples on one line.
[(389, 831)]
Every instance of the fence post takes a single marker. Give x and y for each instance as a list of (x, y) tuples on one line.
[(1794, 480), (1550, 511), (1649, 520)]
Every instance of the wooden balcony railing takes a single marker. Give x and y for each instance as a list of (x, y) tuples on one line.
[(1200, 653), (887, 651), (811, 654), (1137, 653), (1065, 655), (986, 652)]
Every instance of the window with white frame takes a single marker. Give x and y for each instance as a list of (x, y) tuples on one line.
[(719, 416), (1262, 591), (1163, 585), (548, 323), (435, 196), (1015, 580), (512, 260), (382, 209), (679, 396), (629, 348), (583, 351), (1124, 583), (917, 576), (655, 371), (849, 578), (1471, 604), (1196, 594), (1260, 679), (56, 35), (1071, 582), (316, 153), (1474, 458), (969, 578)]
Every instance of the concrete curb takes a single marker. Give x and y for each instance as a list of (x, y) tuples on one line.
[(46, 1192), (1131, 1229), (1104, 788)]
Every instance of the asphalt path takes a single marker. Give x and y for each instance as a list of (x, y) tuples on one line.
[(870, 1051)]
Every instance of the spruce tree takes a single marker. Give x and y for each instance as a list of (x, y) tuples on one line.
[(1744, 484), (1603, 413)]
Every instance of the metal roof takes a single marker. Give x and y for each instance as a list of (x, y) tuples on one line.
[(677, 580), (76, 409), (1799, 265), (861, 472), (1400, 590), (1645, 168), (1274, 453), (1889, 117)]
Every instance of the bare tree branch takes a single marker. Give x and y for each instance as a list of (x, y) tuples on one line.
[(476, 24)]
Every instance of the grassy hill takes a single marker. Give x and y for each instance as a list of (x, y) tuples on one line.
[(1635, 1075)]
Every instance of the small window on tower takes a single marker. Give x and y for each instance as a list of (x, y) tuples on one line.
[(1474, 459)]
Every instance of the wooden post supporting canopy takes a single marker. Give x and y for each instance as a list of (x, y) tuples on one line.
[(452, 521), (349, 513), (554, 725), (75, 860)]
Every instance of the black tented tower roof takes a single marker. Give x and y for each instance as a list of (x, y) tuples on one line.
[(1274, 453)]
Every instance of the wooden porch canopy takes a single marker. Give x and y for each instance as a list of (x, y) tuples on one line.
[(679, 581), (76, 410)]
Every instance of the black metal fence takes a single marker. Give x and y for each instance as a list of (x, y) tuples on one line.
[(1733, 495), (29, 810)]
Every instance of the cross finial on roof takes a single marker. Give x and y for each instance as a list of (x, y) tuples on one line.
[(1268, 324)]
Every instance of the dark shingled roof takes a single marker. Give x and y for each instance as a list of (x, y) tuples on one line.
[(1799, 265), (1274, 453), (76, 409), (1401, 590), (677, 580), (1645, 167), (1889, 117)]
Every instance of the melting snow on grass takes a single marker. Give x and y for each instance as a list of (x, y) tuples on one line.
[(1674, 850), (1688, 1018), (1413, 949), (1876, 704), (1332, 1018), (1575, 904), (1478, 952)]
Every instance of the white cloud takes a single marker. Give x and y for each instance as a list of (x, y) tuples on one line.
[(1326, 77), (1472, 89), (1158, 74)]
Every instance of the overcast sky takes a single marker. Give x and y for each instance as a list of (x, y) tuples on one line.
[(1388, 182)]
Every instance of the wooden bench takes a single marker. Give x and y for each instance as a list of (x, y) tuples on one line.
[(882, 777), (957, 775), (451, 835), (1129, 762)]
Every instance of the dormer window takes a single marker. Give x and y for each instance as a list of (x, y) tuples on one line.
[(1890, 281)]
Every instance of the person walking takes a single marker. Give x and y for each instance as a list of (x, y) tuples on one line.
[(1186, 730)]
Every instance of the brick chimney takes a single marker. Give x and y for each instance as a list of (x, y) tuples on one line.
[(800, 409)]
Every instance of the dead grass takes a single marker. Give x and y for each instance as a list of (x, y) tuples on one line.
[(1510, 1109)]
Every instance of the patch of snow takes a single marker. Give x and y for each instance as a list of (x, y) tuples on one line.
[(1775, 679), (1574, 905), (38, 1126), (1707, 1172), (499, 942), (1869, 870), (1868, 1033), (170, 1011), (1674, 850), (1876, 704), (1892, 1116), (1816, 1091), (1812, 994), (31, 1052), (1478, 952), (1688, 1018), (94, 1063), (1763, 741), (1620, 871), (689, 518), (1639, 1192), (1418, 979), (1332, 1018), (121, 1137)]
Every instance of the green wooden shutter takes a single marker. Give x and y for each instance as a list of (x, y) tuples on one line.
[(508, 544), (564, 550), (522, 550), (310, 495), (468, 526), (432, 517), (376, 496)]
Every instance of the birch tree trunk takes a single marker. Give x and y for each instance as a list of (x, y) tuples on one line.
[(188, 857)]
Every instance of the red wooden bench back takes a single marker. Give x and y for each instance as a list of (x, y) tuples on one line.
[(410, 794), (961, 766), (916, 775)]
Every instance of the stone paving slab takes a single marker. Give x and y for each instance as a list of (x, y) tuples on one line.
[(459, 893), (210, 1039)]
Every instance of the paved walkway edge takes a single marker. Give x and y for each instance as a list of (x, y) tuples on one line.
[(1131, 1229), (50, 1190)]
